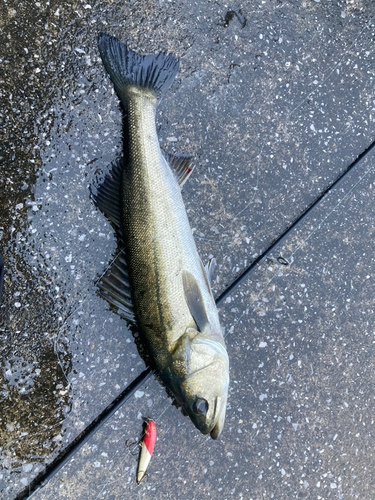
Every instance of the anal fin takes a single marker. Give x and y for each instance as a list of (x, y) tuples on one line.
[(180, 164)]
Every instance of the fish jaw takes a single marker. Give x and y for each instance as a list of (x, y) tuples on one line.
[(214, 424), (221, 407), (199, 377)]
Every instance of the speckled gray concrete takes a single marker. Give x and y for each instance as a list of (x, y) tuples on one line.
[(273, 103), (300, 416), (276, 121)]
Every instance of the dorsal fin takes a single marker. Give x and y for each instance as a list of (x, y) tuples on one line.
[(106, 193), (180, 164), (194, 300), (115, 288)]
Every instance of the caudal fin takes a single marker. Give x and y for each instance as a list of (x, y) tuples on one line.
[(152, 71)]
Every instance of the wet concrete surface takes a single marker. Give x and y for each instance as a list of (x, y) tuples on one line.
[(274, 102), (299, 421)]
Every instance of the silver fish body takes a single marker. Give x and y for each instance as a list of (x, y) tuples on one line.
[(171, 298)]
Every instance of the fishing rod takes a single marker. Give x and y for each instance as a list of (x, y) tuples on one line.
[(72, 449)]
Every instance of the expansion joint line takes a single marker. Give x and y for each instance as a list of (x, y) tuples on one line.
[(71, 450)]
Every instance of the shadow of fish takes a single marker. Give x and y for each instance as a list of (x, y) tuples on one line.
[(160, 284)]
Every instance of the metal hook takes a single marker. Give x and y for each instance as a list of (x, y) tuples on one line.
[(145, 475), (132, 446)]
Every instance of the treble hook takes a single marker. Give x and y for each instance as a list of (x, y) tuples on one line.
[(132, 446)]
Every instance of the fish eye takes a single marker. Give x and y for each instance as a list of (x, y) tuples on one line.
[(200, 406)]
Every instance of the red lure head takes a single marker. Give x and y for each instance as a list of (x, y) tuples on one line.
[(150, 436)]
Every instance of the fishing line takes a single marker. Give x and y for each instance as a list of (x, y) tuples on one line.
[(131, 448), (134, 446), (333, 209), (277, 272)]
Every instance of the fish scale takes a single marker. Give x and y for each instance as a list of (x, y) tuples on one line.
[(166, 247)]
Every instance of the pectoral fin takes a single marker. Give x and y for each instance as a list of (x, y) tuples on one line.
[(194, 300)]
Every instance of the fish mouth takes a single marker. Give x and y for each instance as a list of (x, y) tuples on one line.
[(220, 410)]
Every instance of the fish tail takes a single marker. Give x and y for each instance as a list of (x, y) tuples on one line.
[(127, 68)]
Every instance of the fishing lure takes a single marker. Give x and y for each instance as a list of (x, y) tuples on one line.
[(147, 449)]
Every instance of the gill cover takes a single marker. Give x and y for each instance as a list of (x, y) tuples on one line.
[(199, 371), (199, 375)]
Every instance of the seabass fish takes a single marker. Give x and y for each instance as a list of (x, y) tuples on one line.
[(160, 283)]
